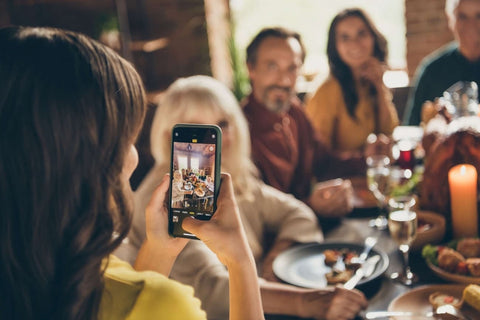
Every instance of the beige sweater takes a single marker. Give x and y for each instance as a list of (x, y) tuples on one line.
[(270, 211)]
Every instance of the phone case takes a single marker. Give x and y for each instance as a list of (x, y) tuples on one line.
[(194, 175)]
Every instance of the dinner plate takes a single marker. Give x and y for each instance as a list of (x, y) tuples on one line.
[(416, 300), (304, 265), (452, 277)]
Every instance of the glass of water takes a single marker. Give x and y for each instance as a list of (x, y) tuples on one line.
[(402, 225), (378, 174)]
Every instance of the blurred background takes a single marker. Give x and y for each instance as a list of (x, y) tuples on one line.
[(167, 39)]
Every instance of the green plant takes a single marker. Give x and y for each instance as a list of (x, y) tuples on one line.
[(241, 83)]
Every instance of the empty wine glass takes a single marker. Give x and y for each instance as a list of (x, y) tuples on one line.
[(402, 225), (378, 172)]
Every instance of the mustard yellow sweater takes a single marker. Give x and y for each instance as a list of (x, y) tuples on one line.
[(328, 113), (133, 295)]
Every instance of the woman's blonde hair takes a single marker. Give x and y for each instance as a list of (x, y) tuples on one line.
[(207, 95)]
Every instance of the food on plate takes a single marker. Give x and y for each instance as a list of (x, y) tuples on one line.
[(473, 265), (469, 247), (438, 299), (199, 192), (450, 259), (336, 276), (332, 256), (471, 295)]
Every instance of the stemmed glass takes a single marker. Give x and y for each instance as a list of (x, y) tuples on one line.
[(378, 172), (402, 225), (401, 195)]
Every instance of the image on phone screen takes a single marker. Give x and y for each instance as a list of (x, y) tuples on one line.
[(194, 176)]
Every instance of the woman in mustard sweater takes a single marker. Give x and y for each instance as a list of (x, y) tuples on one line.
[(353, 101)]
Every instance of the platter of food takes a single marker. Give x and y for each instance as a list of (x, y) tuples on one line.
[(430, 230), (315, 265), (426, 298), (457, 261)]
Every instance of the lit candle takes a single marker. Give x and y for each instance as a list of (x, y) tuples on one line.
[(462, 180)]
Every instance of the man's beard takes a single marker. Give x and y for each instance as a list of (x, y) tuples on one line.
[(278, 105)]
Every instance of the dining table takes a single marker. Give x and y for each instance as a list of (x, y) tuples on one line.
[(354, 228)]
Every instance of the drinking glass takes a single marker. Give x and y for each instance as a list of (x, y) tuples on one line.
[(404, 153), (461, 99), (401, 192), (402, 225), (378, 172)]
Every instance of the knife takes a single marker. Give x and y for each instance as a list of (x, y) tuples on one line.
[(409, 315), (365, 270)]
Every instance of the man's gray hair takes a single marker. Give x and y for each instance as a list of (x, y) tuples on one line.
[(450, 6)]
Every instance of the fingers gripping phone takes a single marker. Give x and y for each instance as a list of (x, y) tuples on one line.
[(194, 175)]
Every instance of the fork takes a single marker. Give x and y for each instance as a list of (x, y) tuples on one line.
[(369, 244)]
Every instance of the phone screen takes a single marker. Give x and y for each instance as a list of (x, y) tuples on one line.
[(194, 174)]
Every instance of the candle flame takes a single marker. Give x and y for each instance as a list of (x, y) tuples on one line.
[(463, 170)]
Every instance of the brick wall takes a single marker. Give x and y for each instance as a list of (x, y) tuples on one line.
[(427, 29)]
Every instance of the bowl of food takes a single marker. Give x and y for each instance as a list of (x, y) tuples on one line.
[(430, 230), (457, 261)]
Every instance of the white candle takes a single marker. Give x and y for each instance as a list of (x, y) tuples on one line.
[(462, 180)]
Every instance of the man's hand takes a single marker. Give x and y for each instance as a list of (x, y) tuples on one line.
[(338, 304), (332, 198)]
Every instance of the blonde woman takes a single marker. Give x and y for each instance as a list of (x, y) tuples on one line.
[(264, 210)]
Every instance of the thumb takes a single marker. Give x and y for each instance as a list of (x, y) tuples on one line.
[(193, 225)]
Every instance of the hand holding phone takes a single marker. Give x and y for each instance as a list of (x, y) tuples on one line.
[(194, 173)]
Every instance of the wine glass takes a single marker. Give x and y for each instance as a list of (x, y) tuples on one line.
[(378, 172), (402, 225), (401, 191)]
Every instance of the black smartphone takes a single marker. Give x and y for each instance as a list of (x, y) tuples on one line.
[(194, 175)]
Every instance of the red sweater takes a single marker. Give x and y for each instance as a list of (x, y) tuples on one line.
[(288, 152)]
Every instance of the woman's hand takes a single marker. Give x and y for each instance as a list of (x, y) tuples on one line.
[(159, 250), (223, 233), (225, 236), (373, 71)]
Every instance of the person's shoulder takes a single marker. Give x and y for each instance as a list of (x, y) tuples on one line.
[(148, 293), (328, 88), (331, 83), (441, 56)]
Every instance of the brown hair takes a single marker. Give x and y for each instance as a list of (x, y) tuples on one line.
[(69, 110), (339, 69)]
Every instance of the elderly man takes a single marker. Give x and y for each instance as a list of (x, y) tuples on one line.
[(285, 147), (458, 61)]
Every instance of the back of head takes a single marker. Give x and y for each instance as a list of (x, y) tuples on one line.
[(69, 110), (186, 100)]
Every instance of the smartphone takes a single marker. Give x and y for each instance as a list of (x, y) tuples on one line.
[(194, 175)]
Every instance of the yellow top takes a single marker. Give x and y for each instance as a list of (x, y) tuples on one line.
[(133, 295), (329, 116)]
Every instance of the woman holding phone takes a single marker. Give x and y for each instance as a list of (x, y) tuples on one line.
[(70, 112), (266, 212)]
